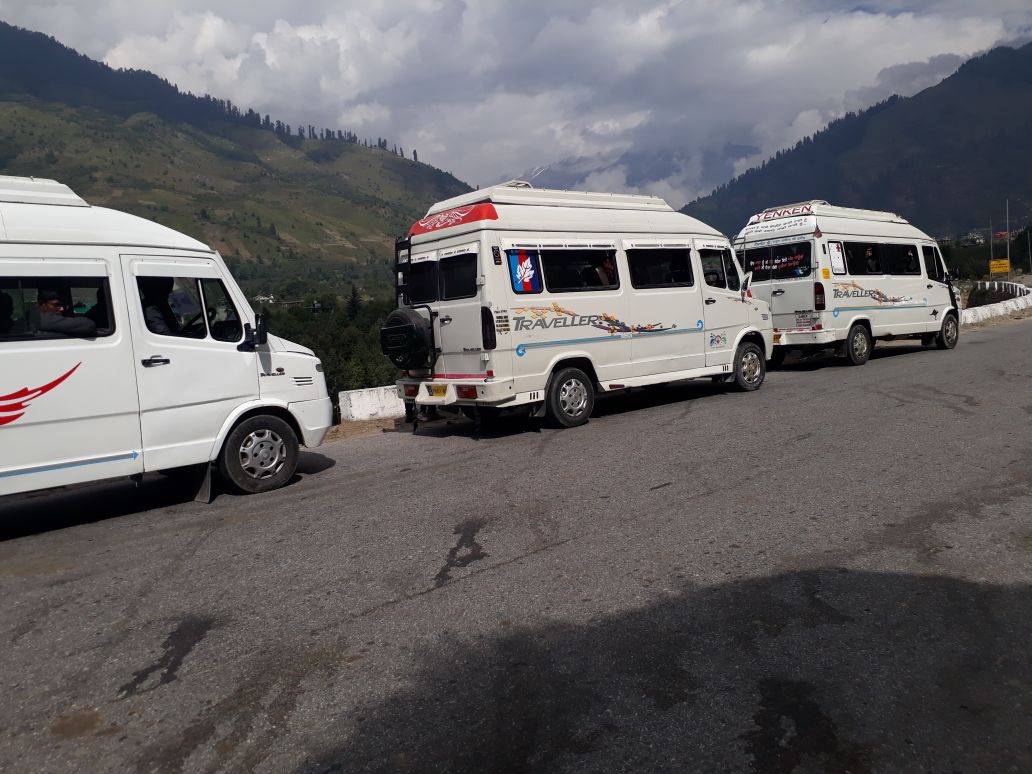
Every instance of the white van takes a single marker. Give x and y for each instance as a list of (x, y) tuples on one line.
[(843, 278), (515, 296), (126, 347)]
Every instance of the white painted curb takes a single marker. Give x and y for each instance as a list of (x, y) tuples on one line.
[(999, 309), (373, 403)]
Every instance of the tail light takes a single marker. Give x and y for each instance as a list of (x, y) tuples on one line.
[(411, 390), (818, 296), (487, 328), (466, 393)]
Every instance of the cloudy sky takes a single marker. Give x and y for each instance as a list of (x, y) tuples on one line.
[(663, 97)]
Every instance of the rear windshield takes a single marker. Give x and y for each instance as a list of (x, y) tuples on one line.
[(779, 262), (448, 279)]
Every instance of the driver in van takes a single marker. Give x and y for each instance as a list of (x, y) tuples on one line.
[(53, 320), (157, 312)]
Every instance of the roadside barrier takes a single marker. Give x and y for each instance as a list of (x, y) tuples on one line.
[(1022, 300), (372, 403)]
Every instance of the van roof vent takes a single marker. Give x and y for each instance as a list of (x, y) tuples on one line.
[(34, 190)]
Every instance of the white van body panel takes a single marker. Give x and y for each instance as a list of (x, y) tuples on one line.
[(907, 296), (630, 336), (76, 409)]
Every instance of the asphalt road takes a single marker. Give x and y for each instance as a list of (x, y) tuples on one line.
[(830, 574)]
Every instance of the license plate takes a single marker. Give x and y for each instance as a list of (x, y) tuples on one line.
[(438, 390), (804, 319)]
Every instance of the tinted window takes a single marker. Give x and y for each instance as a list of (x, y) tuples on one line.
[(579, 270), (55, 307), (719, 269), (779, 262), (458, 276), (900, 259), (932, 267), (863, 258), (660, 268), (223, 321), (421, 283)]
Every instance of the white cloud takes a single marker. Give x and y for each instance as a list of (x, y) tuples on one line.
[(648, 95)]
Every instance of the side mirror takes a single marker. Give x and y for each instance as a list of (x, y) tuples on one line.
[(261, 335), (746, 282)]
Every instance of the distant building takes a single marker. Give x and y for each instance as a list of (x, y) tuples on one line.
[(264, 299), (973, 238)]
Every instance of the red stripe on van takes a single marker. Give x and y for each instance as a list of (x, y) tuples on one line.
[(460, 376), (454, 217)]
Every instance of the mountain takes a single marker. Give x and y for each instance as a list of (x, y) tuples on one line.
[(945, 159), (298, 211)]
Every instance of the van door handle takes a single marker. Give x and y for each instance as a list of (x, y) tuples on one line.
[(446, 319), (778, 292), (155, 360), (711, 300)]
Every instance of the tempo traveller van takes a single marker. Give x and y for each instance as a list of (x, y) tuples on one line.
[(126, 347), (514, 296), (844, 278)]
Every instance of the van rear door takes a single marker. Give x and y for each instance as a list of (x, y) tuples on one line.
[(784, 272), (457, 326)]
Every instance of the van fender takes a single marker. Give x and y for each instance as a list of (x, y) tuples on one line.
[(568, 355), (850, 322), (238, 412), (767, 336)]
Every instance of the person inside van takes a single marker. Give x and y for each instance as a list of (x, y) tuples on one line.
[(871, 262), (99, 312), (157, 312), (53, 320), (607, 272)]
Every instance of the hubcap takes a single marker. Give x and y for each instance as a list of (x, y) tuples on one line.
[(262, 454), (951, 331), (573, 397), (860, 346), (751, 367)]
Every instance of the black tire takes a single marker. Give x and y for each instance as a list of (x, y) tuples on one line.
[(949, 333), (405, 338), (858, 345), (777, 357), (750, 367), (259, 455), (570, 399)]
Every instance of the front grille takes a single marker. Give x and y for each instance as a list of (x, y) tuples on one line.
[(304, 381)]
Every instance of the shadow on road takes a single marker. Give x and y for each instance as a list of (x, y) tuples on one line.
[(829, 670), (35, 513), (822, 360)]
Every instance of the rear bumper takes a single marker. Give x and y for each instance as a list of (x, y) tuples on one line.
[(804, 338), (439, 392), (314, 417)]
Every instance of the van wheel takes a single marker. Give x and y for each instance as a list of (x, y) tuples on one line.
[(949, 333), (260, 454), (571, 398), (750, 367), (858, 345)]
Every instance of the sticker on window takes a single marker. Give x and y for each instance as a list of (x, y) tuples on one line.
[(524, 270)]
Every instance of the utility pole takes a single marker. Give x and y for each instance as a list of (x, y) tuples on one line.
[(1008, 241)]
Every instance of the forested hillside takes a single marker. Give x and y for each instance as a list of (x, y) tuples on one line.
[(946, 158)]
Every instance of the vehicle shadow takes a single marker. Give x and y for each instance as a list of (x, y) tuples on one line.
[(311, 463), (824, 670), (824, 360), (35, 513)]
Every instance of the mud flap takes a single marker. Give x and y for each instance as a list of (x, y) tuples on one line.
[(202, 483)]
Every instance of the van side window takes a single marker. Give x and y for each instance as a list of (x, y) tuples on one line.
[(660, 268), (838, 258), (55, 308), (458, 276), (900, 259), (176, 306), (734, 281), (932, 267), (224, 322), (715, 265), (572, 271), (863, 258), (525, 271)]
